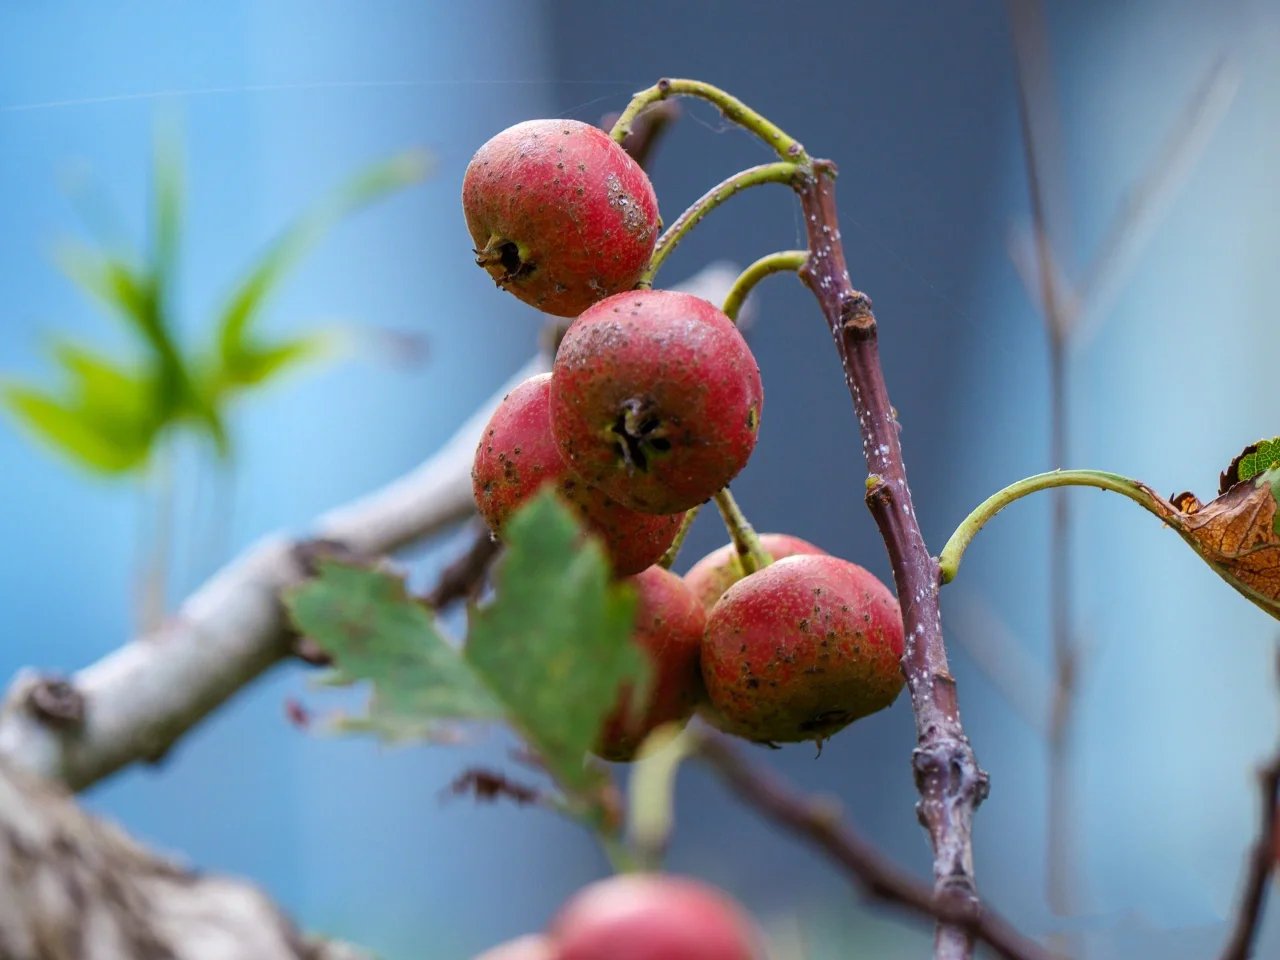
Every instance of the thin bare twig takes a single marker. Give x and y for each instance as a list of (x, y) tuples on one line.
[(464, 577), (1061, 870), (871, 871), (1260, 863), (1062, 309)]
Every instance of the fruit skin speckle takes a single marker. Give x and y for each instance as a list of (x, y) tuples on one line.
[(655, 399), (559, 214), (517, 457), (800, 649), (719, 570), (668, 628)]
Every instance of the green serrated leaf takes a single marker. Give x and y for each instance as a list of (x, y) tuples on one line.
[(375, 631), (548, 655), (246, 300), (555, 643), (1265, 456), (66, 428)]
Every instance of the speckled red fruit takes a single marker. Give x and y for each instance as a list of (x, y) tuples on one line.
[(668, 627), (653, 917), (720, 569), (655, 399), (517, 456), (798, 650), (560, 215), (531, 947)]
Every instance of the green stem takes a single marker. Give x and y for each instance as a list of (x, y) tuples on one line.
[(949, 559), (766, 266), (651, 793), (673, 551), (751, 554), (734, 110), (780, 172), (620, 856)]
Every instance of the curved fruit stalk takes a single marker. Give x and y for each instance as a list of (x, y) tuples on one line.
[(560, 215), (653, 917), (517, 457), (655, 399), (668, 627), (800, 649)]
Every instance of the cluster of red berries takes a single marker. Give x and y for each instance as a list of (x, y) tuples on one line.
[(652, 406), (641, 917)]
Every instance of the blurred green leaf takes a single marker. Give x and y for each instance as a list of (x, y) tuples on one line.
[(167, 202), (249, 295), (69, 430), (555, 643), (375, 631), (115, 282), (112, 415), (117, 402), (252, 364)]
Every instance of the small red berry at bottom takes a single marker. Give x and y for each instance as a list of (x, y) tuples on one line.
[(668, 629), (517, 457), (653, 917), (800, 649), (531, 947)]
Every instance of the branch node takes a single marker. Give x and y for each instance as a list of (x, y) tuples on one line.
[(308, 554), (54, 701), (857, 320)]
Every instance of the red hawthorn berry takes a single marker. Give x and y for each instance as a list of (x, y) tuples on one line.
[(720, 569), (800, 649), (517, 456), (560, 215), (653, 917), (655, 399), (668, 628)]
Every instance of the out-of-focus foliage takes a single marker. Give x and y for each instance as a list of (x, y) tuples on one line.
[(108, 415)]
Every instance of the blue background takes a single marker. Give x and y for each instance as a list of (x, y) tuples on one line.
[(280, 101)]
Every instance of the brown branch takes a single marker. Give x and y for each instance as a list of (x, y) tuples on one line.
[(74, 886), (1259, 864), (1058, 315), (464, 577), (1258, 868), (950, 782), (870, 870)]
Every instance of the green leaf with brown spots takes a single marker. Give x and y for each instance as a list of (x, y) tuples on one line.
[(375, 631), (555, 644), (547, 655)]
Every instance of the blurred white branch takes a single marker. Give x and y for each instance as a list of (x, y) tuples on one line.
[(138, 700), (76, 888)]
